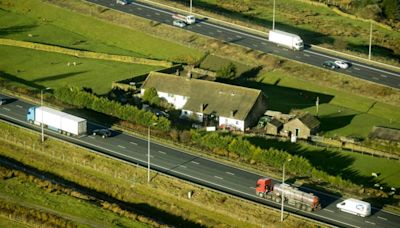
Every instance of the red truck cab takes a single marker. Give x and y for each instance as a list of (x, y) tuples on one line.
[(264, 185)]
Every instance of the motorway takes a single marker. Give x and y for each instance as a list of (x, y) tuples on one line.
[(196, 169), (254, 41)]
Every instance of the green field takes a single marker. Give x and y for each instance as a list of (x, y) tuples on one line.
[(44, 69), (41, 22), (79, 211)]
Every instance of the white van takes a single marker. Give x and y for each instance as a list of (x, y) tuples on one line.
[(355, 206)]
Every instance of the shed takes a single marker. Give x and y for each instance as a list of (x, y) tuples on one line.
[(273, 127), (302, 127)]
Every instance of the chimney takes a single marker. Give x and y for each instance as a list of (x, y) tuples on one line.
[(201, 107), (232, 113)]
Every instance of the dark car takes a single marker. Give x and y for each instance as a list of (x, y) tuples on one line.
[(104, 133), (330, 65), (3, 101)]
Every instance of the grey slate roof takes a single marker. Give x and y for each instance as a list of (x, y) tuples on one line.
[(213, 96), (309, 120)]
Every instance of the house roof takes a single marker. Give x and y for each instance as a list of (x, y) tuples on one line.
[(309, 120), (212, 96), (275, 122)]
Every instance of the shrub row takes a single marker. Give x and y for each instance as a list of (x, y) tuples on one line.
[(77, 97), (84, 54)]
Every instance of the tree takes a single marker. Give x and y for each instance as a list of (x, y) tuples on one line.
[(149, 94), (228, 72), (391, 8)]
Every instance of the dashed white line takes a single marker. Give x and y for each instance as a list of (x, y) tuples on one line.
[(255, 45), (195, 162), (375, 78), (355, 68), (252, 187), (379, 217), (133, 143), (307, 55), (161, 152), (139, 8), (121, 147), (328, 210), (92, 137), (199, 25), (19, 106), (219, 177), (370, 222), (384, 76), (238, 36), (230, 173), (297, 57), (148, 15), (211, 33), (263, 43), (7, 109), (219, 31), (183, 166), (156, 13)]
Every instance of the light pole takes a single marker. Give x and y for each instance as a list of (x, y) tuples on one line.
[(283, 192), (190, 6), (370, 40), (273, 17), (148, 151), (41, 105)]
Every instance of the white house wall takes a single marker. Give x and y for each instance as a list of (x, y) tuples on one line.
[(238, 124), (177, 100)]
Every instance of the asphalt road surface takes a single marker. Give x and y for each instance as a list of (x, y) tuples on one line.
[(258, 42), (196, 169)]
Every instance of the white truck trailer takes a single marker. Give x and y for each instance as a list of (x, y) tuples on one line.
[(286, 39), (56, 120), (355, 206), (190, 19)]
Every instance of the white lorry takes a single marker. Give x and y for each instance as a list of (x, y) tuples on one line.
[(286, 39), (56, 120), (190, 19), (355, 206)]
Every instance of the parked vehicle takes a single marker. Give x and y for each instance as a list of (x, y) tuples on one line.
[(286, 39), (190, 19), (123, 2), (104, 133), (355, 206), (342, 64), (56, 120), (179, 23), (330, 65), (292, 196)]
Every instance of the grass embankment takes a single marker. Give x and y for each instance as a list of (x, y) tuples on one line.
[(316, 23), (164, 198), (40, 22)]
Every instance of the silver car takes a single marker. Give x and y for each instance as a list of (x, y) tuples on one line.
[(179, 23)]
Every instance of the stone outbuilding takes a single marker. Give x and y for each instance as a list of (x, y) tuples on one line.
[(273, 127), (302, 127)]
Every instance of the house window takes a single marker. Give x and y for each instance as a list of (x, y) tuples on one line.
[(237, 122)]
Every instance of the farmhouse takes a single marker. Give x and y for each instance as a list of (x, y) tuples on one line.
[(232, 107)]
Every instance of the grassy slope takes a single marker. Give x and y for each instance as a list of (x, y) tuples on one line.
[(48, 24), (356, 115), (79, 211), (4, 222), (38, 68)]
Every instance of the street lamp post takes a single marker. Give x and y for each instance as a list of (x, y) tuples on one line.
[(283, 192), (148, 151), (190, 6), (370, 40), (273, 17), (41, 105)]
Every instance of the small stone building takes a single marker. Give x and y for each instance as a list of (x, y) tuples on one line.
[(273, 127), (302, 127)]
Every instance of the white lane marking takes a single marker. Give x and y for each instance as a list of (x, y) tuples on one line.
[(384, 76), (92, 137), (370, 222), (157, 13), (139, 8), (183, 166), (252, 187), (355, 68), (211, 33), (328, 210), (19, 106), (7, 109), (297, 57), (355, 64), (199, 25), (237, 36), (307, 55), (200, 179), (121, 147), (263, 43), (219, 31), (161, 152), (255, 45), (195, 162), (379, 217), (219, 177), (133, 143), (148, 15), (375, 78), (230, 173), (285, 49)]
